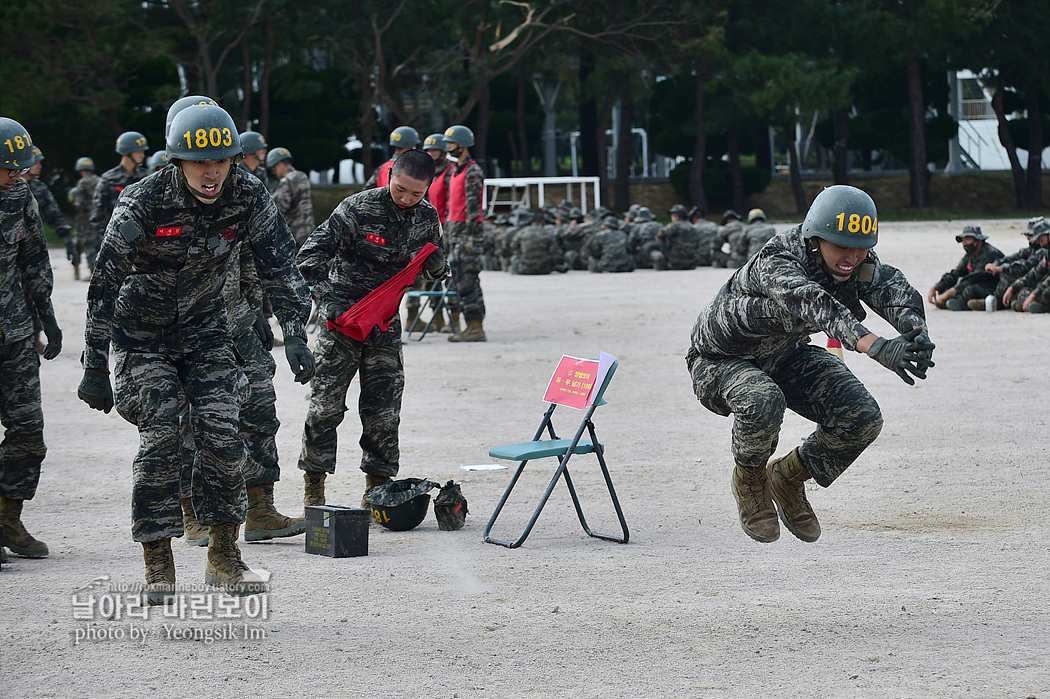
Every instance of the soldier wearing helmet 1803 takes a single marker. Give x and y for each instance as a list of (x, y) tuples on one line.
[(969, 280), (26, 282), (131, 146), (401, 139), (750, 356), (157, 297), (83, 195), (464, 234), (253, 147), (292, 195)]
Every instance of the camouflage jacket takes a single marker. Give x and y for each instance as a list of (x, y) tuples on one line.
[(242, 291), (292, 195), (970, 269), (82, 199), (260, 174), (49, 211), (757, 235), (161, 268), (535, 250), (1037, 279), (708, 232), (110, 184), (25, 268), (365, 241), (642, 233), (783, 294), (734, 233), (683, 245), (1020, 262), (608, 248)]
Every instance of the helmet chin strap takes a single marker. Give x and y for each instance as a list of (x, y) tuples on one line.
[(814, 247)]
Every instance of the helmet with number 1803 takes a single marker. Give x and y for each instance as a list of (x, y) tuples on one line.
[(203, 132), (843, 215)]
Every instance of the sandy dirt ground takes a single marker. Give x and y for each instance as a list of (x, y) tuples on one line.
[(930, 579)]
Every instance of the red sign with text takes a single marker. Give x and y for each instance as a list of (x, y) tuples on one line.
[(572, 382)]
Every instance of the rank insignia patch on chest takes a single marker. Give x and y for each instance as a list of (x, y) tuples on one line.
[(229, 234), (377, 239), (118, 190), (169, 232)]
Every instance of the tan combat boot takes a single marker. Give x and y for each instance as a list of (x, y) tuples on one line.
[(313, 493), (160, 571), (758, 516), (438, 324), (196, 535), (787, 478), (473, 333), (371, 482), (264, 521), (453, 326), (226, 569), (16, 538)]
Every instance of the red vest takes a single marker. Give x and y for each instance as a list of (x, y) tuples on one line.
[(383, 178), (438, 195), (457, 196)]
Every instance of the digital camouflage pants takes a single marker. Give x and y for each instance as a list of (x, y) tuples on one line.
[(380, 363), (810, 381), (22, 450), (146, 389), (463, 242)]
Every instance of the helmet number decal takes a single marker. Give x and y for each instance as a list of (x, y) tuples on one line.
[(214, 137), (19, 143), (865, 225)]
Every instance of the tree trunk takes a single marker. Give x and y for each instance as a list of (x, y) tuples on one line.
[(1020, 188), (604, 122), (1034, 191), (624, 148), (481, 133), (696, 171), (590, 142), (736, 177), (795, 172), (246, 85), (841, 145), (917, 172), (523, 137), (264, 80)]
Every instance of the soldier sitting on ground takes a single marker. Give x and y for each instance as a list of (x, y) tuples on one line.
[(679, 243), (1013, 267), (535, 250), (969, 280), (730, 248), (708, 234), (607, 250), (758, 231), (1030, 293), (641, 240)]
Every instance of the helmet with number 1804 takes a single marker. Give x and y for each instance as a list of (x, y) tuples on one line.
[(843, 215)]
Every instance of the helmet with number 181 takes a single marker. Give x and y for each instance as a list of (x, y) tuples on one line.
[(16, 147), (203, 132), (843, 215)]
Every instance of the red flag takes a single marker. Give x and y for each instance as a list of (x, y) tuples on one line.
[(380, 305)]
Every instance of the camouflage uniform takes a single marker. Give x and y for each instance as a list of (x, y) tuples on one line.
[(292, 195), (732, 235), (107, 189), (969, 276), (1016, 266), (607, 251), (261, 175), (641, 241), (757, 235), (464, 241), (82, 200), (365, 242), (536, 251), (1036, 280), (571, 236), (750, 353), (157, 293), (707, 232), (26, 281), (49, 209), (680, 247)]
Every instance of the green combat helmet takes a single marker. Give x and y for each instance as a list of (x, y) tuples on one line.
[(158, 160), (277, 155), (16, 147), (755, 215), (85, 164), (435, 141), (252, 141), (404, 137), (131, 141), (401, 505), (38, 155), (450, 508), (180, 104), (843, 215), (203, 132), (460, 135), (678, 210)]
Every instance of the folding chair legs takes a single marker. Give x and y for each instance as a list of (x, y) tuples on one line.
[(562, 470)]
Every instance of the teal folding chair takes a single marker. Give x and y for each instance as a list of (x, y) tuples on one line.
[(436, 297), (538, 448)]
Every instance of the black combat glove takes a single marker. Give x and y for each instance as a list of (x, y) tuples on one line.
[(95, 390), (904, 354), (435, 266), (264, 331), (54, 337), (71, 249), (300, 358)]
